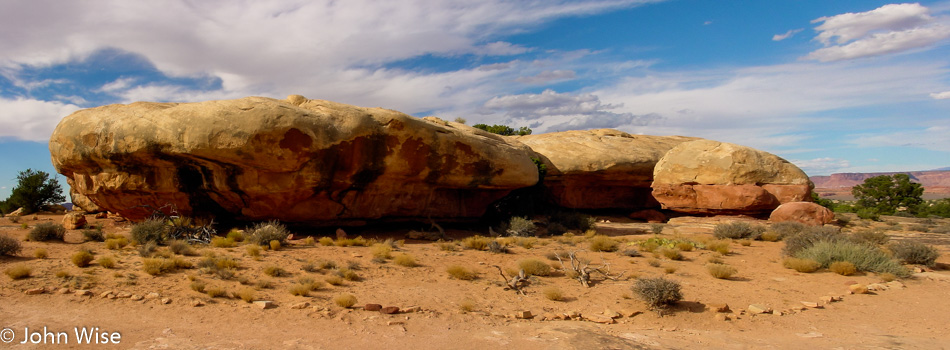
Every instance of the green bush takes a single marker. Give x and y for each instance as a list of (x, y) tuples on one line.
[(915, 253), (808, 237), (872, 236), (521, 227), (46, 231), (737, 230), (93, 234), (865, 257), (9, 246), (149, 231), (265, 232), (868, 214), (786, 228), (657, 292)]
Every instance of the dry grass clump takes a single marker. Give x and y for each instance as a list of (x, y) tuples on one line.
[(9, 246), (40, 253), (685, 246), (198, 286), (334, 280), (671, 253), (461, 273), (309, 241), (843, 268), (18, 272), (300, 290), (93, 234), (801, 265), (236, 235), (446, 246), (381, 251), (670, 269), (887, 276), (253, 250), (275, 245), (216, 292), (601, 243), (46, 231), (780, 230), (721, 271), (348, 274), (745, 242), (553, 293), (222, 242), (151, 230), (83, 258), (657, 292), (770, 236), (325, 241), (737, 230), (159, 266), (275, 271), (325, 265), (872, 236), (405, 260), (344, 300), (535, 267), (649, 246), (181, 247), (263, 233), (351, 242), (911, 252), (116, 243), (864, 257), (467, 305), (720, 246), (106, 262), (247, 294), (715, 259), (476, 242)]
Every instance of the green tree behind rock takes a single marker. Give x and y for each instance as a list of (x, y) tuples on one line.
[(34, 190), (885, 194)]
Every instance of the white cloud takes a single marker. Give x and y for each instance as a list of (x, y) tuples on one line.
[(822, 165), (117, 85), (29, 119), (940, 95), (888, 29), (547, 76), (788, 34), (501, 48), (553, 111), (932, 137)]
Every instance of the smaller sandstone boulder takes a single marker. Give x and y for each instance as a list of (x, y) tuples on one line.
[(372, 307), (389, 310), (74, 221), (759, 309), (807, 213), (858, 289)]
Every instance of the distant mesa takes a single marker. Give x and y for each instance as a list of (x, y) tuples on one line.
[(324, 163), (935, 182)]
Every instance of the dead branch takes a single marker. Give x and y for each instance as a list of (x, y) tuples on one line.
[(515, 282), (583, 270), (436, 226)]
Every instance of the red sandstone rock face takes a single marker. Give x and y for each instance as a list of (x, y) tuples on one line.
[(597, 169), (711, 177), (804, 212), (294, 160)]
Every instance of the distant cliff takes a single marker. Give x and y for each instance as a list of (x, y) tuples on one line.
[(937, 181)]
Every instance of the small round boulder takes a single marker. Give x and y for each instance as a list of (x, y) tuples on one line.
[(807, 213)]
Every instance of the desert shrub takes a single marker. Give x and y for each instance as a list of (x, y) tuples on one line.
[(348, 274), (446, 246), (649, 246), (225, 263), (326, 264), (198, 286), (657, 229), (715, 260), (333, 280), (46, 231), (309, 241), (871, 236), (525, 242), (9, 246), (843, 268), (782, 230), (82, 258), (745, 242), (106, 262), (467, 305), (381, 251), (325, 241), (770, 236), (18, 272), (801, 265), (556, 229), (461, 273), (222, 242), (265, 232), (344, 300), (216, 292), (476, 242), (868, 214), (915, 253), (300, 290), (350, 242), (573, 220), (521, 227), (497, 248), (535, 267), (405, 260), (93, 235), (887, 276), (275, 245), (275, 271), (157, 266), (720, 246), (236, 235), (181, 247), (633, 253), (149, 231), (39, 253), (253, 250), (808, 237), (14, 219), (310, 283), (721, 271), (247, 294), (657, 292), (864, 257), (919, 228), (116, 243), (671, 253), (685, 246), (670, 269), (553, 293), (146, 250), (601, 243), (737, 230), (654, 263)]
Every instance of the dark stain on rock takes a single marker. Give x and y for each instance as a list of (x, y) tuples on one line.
[(295, 140)]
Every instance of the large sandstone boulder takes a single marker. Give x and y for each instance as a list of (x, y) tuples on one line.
[(74, 221), (605, 168), (807, 213), (83, 202), (711, 177), (295, 160)]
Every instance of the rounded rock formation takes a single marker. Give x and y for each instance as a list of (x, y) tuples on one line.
[(295, 160), (712, 177), (807, 213), (598, 169)]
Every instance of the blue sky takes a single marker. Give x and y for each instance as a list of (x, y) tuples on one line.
[(833, 86)]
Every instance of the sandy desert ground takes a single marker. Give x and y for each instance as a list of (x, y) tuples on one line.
[(447, 313)]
